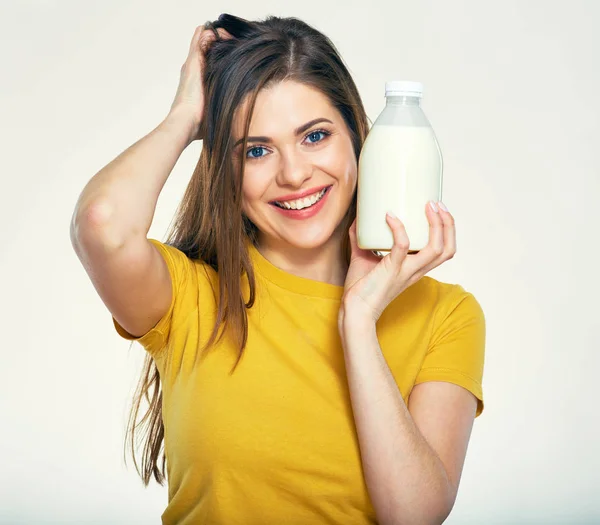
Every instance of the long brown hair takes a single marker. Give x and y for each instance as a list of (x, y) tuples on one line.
[(210, 224)]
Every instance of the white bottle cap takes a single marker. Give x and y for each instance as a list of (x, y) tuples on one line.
[(406, 88)]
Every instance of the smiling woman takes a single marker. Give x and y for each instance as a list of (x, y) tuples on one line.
[(286, 355), (296, 157)]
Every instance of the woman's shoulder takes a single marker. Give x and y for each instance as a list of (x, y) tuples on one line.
[(442, 289), (184, 267), (433, 296), (446, 297)]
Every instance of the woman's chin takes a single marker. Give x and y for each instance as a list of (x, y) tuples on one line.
[(308, 238)]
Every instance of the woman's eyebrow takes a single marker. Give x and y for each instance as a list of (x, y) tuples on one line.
[(298, 131)]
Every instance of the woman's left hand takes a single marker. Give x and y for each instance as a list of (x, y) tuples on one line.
[(372, 283)]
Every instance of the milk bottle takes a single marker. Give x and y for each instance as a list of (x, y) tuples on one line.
[(399, 170)]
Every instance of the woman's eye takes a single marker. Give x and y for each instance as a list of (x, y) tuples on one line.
[(316, 133), (255, 149), (315, 137)]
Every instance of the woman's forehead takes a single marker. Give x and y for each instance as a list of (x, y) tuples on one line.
[(285, 105)]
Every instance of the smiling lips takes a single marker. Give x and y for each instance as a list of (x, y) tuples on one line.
[(308, 206), (300, 194), (301, 203)]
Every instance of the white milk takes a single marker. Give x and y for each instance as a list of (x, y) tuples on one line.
[(399, 170)]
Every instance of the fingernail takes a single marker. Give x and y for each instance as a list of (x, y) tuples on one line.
[(441, 204), (392, 215), (433, 206)]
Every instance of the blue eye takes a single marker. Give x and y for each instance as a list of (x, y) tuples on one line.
[(253, 152), (254, 149), (317, 133)]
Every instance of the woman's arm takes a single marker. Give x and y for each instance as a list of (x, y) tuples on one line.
[(120, 200), (406, 480)]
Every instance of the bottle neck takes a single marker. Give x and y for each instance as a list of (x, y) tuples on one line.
[(402, 100)]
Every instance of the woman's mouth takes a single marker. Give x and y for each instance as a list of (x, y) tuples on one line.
[(303, 208)]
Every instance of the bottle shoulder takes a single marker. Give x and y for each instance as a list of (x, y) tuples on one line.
[(392, 115)]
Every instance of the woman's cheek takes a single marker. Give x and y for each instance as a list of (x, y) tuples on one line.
[(340, 164), (253, 188)]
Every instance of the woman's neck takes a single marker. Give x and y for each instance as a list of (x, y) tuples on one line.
[(325, 263)]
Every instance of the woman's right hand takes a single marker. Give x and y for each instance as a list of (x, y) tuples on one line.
[(189, 99)]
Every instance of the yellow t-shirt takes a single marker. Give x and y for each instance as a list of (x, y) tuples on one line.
[(275, 442)]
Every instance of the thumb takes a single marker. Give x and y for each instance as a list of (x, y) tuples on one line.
[(353, 242), (355, 250)]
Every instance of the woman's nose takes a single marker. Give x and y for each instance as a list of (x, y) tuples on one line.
[(294, 170)]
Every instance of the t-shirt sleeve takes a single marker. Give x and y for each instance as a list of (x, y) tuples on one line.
[(457, 349), (181, 272)]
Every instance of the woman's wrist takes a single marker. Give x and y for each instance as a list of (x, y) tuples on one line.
[(179, 122)]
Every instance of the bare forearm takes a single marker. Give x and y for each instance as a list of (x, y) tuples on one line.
[(406, 480), (121, 198)]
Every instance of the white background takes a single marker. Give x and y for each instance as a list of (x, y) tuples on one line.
[(512, 91)]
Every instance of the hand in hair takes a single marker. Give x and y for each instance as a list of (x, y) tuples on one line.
[(189, 99)]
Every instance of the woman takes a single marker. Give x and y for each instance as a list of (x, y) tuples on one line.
[(304, 380)]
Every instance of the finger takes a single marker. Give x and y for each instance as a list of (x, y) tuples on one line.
[(436, 230), (449, 234), (435, 247), (401, 241), (224, 34), (353, 241), (207, 37), (355, 250), (449, 242), (204, 36), (194, 44), (352, 235)]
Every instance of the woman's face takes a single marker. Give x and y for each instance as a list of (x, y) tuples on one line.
[(288, 156)]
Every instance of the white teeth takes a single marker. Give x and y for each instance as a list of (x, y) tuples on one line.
[(302, 203)]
